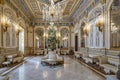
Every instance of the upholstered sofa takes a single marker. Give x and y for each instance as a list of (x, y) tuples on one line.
[(78, 55), (15, 57), (39, 52), (103, 62)]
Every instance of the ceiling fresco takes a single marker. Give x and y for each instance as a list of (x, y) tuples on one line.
[(33, 8)]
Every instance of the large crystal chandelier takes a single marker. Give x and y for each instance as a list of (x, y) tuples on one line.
[(52, 12)]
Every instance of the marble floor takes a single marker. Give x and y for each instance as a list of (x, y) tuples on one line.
[(71, 70)]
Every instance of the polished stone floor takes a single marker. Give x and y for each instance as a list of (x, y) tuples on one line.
[(71, 70)]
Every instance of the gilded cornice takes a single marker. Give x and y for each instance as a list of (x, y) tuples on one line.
[(21, 11)]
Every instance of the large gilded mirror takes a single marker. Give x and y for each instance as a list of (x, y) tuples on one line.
[(39, 38)]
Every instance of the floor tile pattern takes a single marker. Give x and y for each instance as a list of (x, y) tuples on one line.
[(71, 70)]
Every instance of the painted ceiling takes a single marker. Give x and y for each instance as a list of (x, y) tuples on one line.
[(33, 8)]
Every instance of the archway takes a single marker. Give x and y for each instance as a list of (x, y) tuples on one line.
[(39, 35)]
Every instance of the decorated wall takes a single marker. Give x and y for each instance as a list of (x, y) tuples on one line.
[(9, 37), (93, 34)]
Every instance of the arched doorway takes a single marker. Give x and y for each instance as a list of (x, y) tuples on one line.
[(39, 35)]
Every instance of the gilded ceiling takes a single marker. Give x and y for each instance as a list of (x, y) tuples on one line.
[(34, 7)]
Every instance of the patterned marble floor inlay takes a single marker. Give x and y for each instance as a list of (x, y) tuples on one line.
[(71, 70)]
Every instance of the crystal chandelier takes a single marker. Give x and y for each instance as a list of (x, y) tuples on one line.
[(52, 12)]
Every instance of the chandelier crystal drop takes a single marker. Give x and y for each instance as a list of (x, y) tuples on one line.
[(52, 12)]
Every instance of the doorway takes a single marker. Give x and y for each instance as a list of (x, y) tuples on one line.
[(76, 42)]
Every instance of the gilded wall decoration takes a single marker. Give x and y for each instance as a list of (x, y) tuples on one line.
[(96, 37), (10, 34)]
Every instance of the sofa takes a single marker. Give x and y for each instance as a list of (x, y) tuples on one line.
[(39, 52), (15, 58)]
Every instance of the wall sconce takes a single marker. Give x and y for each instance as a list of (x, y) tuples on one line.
[(18, 29), (5, 23), (86, 30), (58, 35), (45, 35), (37, 38), (100, 23)]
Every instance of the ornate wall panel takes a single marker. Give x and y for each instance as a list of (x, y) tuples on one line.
[(9, 36), (95, 37)]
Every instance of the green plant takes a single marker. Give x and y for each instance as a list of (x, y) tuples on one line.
[(52, 40)]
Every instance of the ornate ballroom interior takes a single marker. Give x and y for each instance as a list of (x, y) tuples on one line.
[(59, 39)]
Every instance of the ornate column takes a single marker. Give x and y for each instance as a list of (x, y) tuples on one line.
[(107, 24), (2, 33), (33, 39)]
